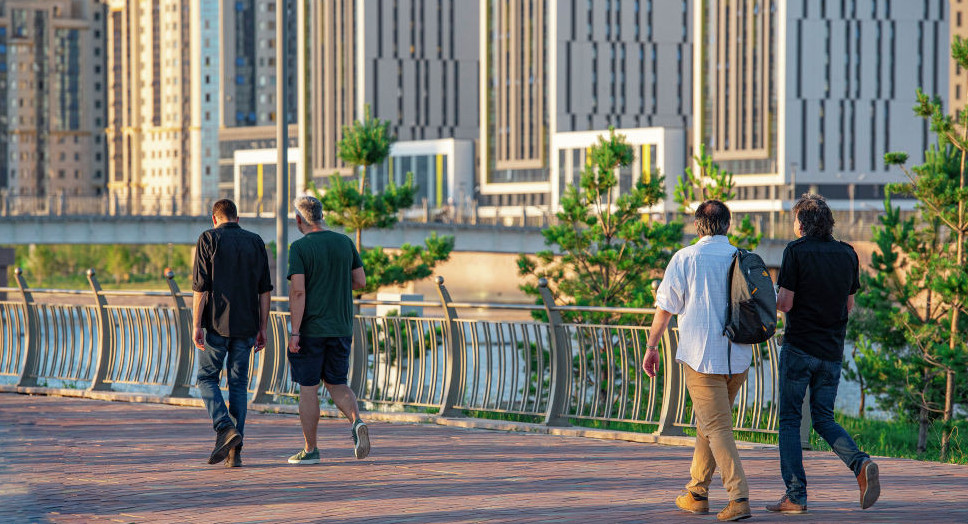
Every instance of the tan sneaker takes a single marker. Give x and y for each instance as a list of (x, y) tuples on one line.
[(869, 483), (736, 510), (785, 505), (689, 501)]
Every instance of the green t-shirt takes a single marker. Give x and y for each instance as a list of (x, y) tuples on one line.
[(327, 259)]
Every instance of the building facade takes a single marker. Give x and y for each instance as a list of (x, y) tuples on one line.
[(551, 69), (248, 87), (52, 98), (796, 96), (164, 105)]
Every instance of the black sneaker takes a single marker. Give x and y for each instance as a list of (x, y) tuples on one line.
[(234, 459), (361, 439), (225, 441)]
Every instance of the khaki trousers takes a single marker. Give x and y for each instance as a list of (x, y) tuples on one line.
[(712, 401)]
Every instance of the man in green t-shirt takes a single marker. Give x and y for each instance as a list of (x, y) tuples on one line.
[(324, 269)]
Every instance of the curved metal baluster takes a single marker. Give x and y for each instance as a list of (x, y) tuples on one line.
[(479, 337), (624, 390), (774, 415), (503, 360), (61, 326)]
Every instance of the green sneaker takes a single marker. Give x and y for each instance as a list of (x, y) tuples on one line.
[(361, 439), (305, 457)]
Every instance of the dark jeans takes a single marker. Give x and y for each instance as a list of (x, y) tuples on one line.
[(797, 371), (237, 349)]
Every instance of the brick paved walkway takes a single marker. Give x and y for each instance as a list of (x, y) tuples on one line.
[(77, 460)]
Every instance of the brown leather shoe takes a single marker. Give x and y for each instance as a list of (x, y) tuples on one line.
[(234, 459), (787, 506), (869, 483), (736, 510), (689, 501)]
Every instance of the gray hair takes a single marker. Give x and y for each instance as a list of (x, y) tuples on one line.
[(310, 209)]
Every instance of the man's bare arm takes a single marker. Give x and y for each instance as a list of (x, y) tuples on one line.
[(297, 306), (784, 300), (359, 278), (264, 300), (850, 303), (199, 298), (660, 322)]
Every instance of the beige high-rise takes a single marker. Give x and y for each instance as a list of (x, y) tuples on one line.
[(52, 91), (163, 72)]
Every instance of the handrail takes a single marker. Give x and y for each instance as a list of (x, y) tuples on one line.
[(563, 373)]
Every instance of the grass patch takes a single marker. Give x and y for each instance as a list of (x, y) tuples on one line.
[(899, 439), (510, 417)]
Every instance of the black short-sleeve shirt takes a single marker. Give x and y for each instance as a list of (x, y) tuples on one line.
[(822, 273), (232, 266)]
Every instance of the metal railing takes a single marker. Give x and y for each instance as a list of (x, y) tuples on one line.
[(553, 372)]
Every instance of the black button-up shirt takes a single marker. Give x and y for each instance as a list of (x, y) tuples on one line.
[(232, 266)]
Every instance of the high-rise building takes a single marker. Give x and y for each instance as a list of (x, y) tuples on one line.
[(419, 71), (414, 64), (556, 75), (248, 90), (794, 96), (164, 107), (52, 98), (958, 85)]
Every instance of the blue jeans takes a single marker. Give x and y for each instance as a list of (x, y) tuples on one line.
[(237, 349), (797, 371)]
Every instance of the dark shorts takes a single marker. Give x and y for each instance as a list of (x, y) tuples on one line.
[(326, 358)]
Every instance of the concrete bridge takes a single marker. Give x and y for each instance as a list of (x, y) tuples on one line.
[(82, 460), (20, 230)]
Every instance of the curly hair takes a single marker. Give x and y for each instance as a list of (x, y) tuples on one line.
[(816, 219), (712, 218)]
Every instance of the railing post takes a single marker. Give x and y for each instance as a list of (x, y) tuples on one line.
[(185, 346), (358, 360), (273, 358), (455, 355), (670, 382), (98, 381), (31, 364), (560, 361)]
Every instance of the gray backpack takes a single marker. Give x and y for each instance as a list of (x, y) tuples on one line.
[(751, 311)]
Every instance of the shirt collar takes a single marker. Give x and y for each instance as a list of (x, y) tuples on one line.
[(714, 239), (230, 225)]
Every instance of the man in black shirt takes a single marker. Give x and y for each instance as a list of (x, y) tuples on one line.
[(231, 288), (817, 282)]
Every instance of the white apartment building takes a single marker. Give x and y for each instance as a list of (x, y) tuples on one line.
[(164, 106)]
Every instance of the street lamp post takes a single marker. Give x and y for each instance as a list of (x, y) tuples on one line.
[(282, 149)]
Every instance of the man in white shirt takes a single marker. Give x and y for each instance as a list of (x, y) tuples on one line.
[(694, 287)]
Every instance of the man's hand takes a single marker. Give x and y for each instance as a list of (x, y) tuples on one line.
[(650, 364), (294, 344), (199, 338), (260, 340)]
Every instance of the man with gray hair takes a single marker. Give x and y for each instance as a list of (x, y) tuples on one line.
[(695, 288), (324, 269)]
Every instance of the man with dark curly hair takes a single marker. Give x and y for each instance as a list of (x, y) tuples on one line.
[(817, 282)]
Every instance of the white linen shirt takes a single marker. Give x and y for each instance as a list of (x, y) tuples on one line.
[(694, 287)]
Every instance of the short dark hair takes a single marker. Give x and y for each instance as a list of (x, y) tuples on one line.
[(813, 213), (225, 209), (712, 218)]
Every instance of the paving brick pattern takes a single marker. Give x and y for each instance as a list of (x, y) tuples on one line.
[(78, 460)]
